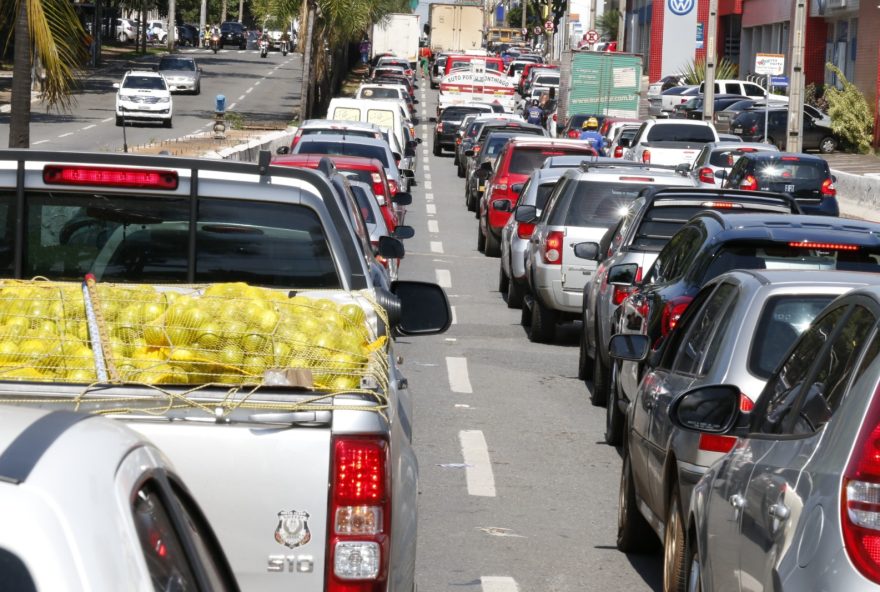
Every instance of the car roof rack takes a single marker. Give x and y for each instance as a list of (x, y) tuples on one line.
[(586, 165)]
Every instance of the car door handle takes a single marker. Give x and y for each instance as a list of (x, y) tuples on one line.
[(779, 511), (737, 501)]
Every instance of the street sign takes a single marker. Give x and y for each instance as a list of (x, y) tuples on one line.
[(780, 81), (699, 35), (772, 64), (548, 26), (592, 36)]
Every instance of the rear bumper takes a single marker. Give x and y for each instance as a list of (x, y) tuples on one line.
[(827, 207), (548, 286)]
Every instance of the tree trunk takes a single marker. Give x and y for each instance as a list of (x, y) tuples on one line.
[(223, 13), (19, 123)]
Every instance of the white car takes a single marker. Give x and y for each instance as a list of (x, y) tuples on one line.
[(158, 29), (88, 504), (143, 95), (670, 142), (126, 30)]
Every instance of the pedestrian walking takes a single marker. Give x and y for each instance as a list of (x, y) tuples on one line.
[(365, 50)]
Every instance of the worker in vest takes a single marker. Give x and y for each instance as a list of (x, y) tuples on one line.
[(590, 134), (534, 114)]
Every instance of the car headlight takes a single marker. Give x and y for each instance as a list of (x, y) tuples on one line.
[(164, 100)]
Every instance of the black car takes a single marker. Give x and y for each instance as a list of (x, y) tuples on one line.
[(448, 123), (187, 35), (749, 125), (693, 108), (805, 177), (233, 33)]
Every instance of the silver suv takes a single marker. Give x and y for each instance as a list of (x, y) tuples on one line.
[(586, 202)]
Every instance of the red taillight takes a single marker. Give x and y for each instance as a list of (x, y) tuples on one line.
[(360, 515), (574, 134), (618, 152), (828, 189), (439, 128), (749, 183), (860, 497), (378, 188), (824, 246), (620, 294), (721, 205), (393, 187), (646, 156), (524, 229), (717, 443), (552, 251), (109, 177), (295, 141), (672, 312), (554, 117), (745, 403), (754, 129), (707, 175), (477, 149)]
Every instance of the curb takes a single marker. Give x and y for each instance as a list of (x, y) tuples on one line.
[(250, 151), (858, 196)]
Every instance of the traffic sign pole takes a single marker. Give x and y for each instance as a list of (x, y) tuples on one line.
[(711, 58), (796, 79)]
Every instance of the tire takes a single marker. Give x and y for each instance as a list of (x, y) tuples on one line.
[(585, 362), (460, 170), (514, 295), (827, 145), (438, 150), (123, 38), (599, 394), (471, 202), (493, 245), (167, 123), (118, 121), (481, 240), (675, 565), (503, 280), (613, 415), (525, 315), (198, 90), (542, 328), (634, 535), (694, 566)]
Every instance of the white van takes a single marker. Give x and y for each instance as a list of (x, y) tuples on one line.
[(390, 115)]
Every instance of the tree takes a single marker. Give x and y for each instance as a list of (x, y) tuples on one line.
[(851, 117), (51, 31), (608, 22), (695, 71)]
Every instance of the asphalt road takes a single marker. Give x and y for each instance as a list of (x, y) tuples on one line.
[(535, 510), (260, 89)]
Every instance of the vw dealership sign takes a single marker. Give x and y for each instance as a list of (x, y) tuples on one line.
[(681, 7)]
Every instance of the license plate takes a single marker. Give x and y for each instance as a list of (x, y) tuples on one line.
[(737, 130), (788, 188), (482, 188)]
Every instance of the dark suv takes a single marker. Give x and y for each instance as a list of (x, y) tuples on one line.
[(712, 243), (805, 177), (233, 33), (749, 125), (448, 123)]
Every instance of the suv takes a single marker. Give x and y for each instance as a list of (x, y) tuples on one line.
[(233, 33), (749, 125), (126, 30), (473, 135), (584, 204), (514, 165), (482, 163), (712, 165), (806, 178), (748, 89), (143, 95), (448, 123)]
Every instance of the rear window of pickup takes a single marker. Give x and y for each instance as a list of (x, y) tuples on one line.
[(145, 239), (679, 132)]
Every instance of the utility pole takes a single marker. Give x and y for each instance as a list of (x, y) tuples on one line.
[(591, 24), (711, 62), (203, 21), (794, 142), (172, 28), (306, 97), (525, 7), (621, 24), (241, 11)]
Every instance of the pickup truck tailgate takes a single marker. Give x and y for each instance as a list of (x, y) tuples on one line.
[(264, 471)]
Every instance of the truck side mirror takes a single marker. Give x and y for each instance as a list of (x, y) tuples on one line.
[(424, 308)]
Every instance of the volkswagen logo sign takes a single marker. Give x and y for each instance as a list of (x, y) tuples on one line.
[(681, 7)]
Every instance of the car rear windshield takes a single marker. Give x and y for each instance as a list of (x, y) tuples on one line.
[(516, 130), (545, 80), (145, 239), (147, 82), (359, 133), (680, 132), (343, 149), (779, 169), (458, 113), (727, 157), (593, 203), (739, 105), (525, 160), (176, 64), (377, 92)]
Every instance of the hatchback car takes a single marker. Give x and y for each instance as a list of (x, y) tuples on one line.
[(712, 165), (102, 506), (482, 158), (793, 506), (474, 135), (736, 331), (815, 136), (143, 96), (181, 73), (806, 178)]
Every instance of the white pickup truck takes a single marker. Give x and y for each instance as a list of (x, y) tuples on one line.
[(670, 142), (298, 450)]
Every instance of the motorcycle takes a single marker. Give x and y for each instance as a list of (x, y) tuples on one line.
[(284, 50), (215, 42), (264, 48)]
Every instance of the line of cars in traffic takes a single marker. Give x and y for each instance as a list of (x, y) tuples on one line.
[(730, 326)]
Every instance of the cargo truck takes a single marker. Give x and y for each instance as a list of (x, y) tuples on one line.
[(599, 83), (397, 34), (456, 27)]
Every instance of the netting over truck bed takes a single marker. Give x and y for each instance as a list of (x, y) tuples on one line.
[(225, 334)]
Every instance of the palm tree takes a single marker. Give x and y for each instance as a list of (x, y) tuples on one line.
[(608, 23), (50, 31)]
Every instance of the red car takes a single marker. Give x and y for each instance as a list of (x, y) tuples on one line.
[(517, 160), (368, 170), (521, 88)]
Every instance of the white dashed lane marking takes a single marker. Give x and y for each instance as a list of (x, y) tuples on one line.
[(232, 106), (436, 246), (444, 278), (429, 197), (427, 184), (478, 472), (65, 135), (431, 208), (241, 98), (457, 370), (108, 120), (40, 142), (433, 226), (498, 584), (88, 127), (248, 91), (454, 317)]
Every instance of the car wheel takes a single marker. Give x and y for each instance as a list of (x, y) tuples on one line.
[(455, 159), (827, 145), (585, 363), (599, 393), (167, 122), (481, 240), (438, 150), (493, 245), (122, 38), (542, 328), (613, 415), (674, 558), (198, 88), (118, 120), (461, 170), (514, 295), (634, 535), (503, 280), (695, 569)]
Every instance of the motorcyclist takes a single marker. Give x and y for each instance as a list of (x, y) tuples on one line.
[(534, 114), (590, 134), (285, 39)]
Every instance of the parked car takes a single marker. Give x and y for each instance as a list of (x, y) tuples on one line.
[(516, 162), (736, 331), (375, 222), (126, 30), (332, 127), (792, 506), (805, 177), (143, 95), (750, 126), (157, 30), (725, 116), (181, 73), (102, 505), (712, 165), (665, 83), (712, 243), (187, 35), (693, 107), (585, 203), (233, 33), (662, 106), (747, 89)]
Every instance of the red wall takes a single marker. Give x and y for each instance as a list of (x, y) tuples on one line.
[(655, 60), (814, 50)]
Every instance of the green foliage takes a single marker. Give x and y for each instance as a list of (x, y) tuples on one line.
[(608, 23), (514, 18), (851, 117), (695, 72), (234, 120)]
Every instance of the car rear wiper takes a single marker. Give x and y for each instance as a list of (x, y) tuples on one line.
[(122, 216)]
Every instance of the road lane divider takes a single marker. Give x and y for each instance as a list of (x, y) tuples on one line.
[(457, 371), (498, 584), (65, 135), (429, 197), (478, 472), (248, 91), (427, 184), (431, 208), (241, 98), (433, 226), (232, 106), (39, 142), (436, 246), (444, 278), (454, 317), (108, 120), (88, 127)]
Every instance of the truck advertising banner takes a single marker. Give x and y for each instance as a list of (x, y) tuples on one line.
[(463, 86), (604, 83)]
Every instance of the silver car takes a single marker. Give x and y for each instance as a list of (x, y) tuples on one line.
[(515, 235), (88, 504), (713, 163), (793, 506), (737, 330), (344, 145), (181, 73)]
